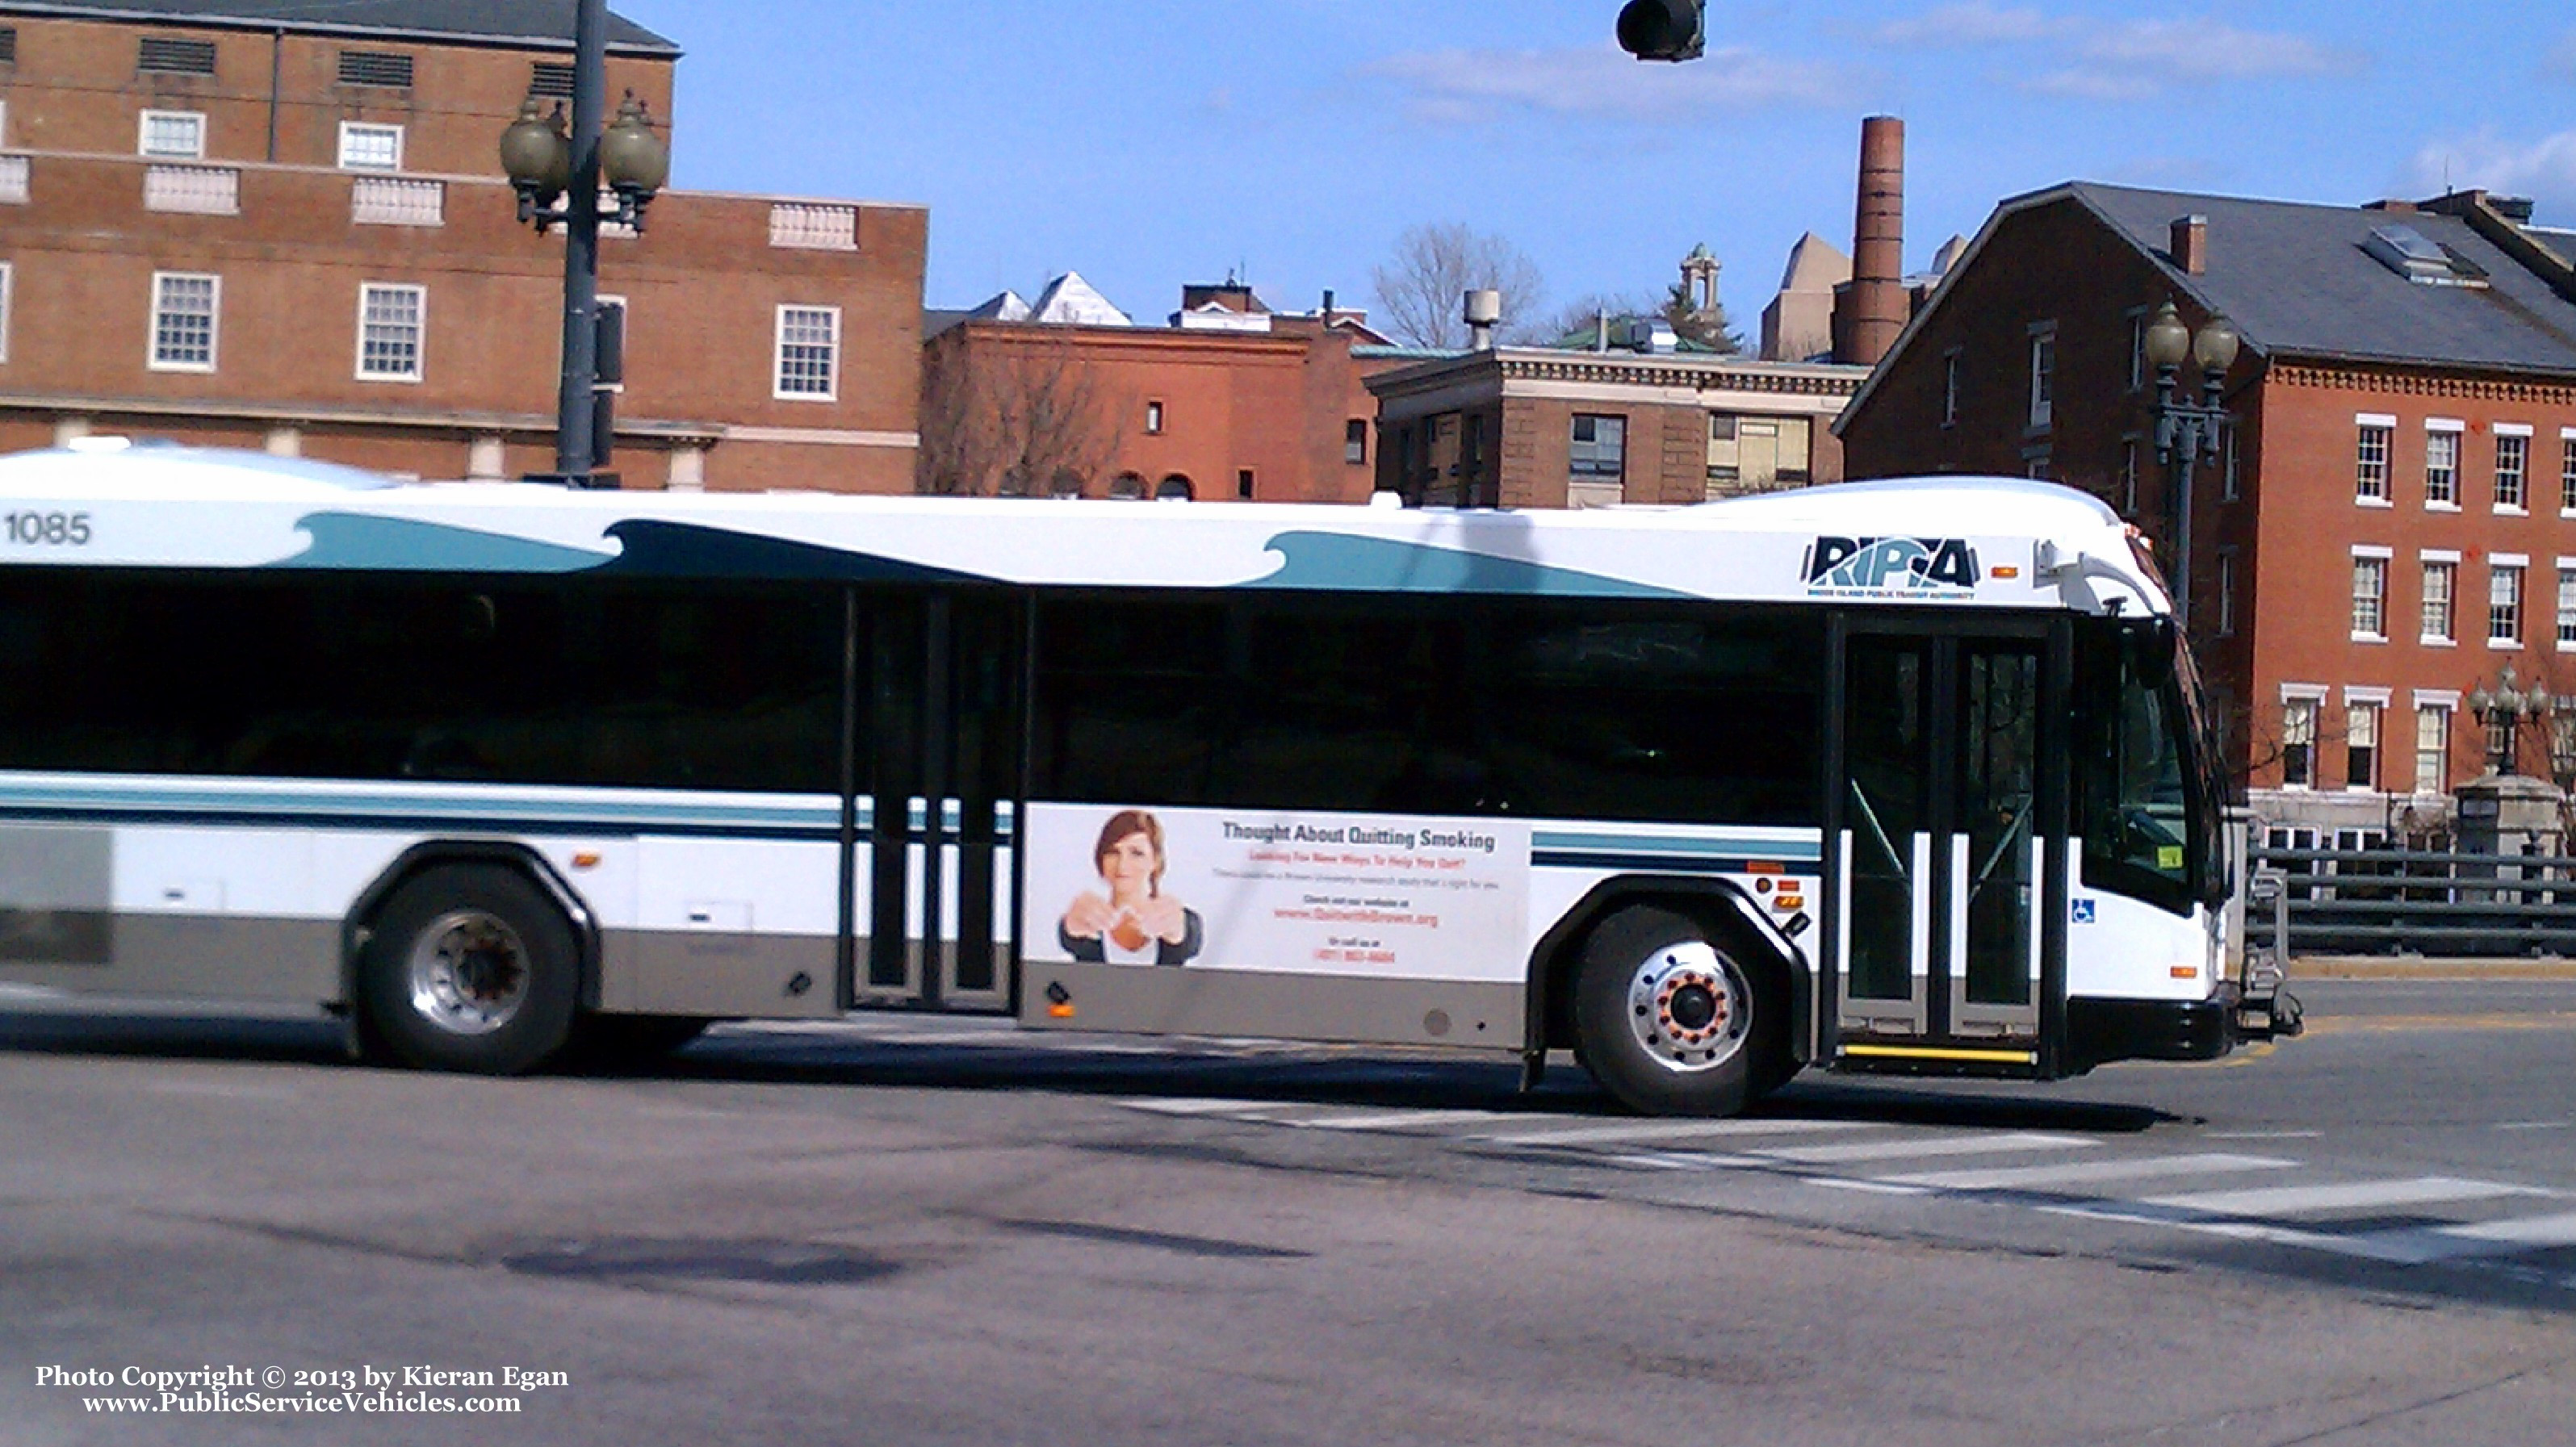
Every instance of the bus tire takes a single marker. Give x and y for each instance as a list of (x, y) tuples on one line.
[(471, 968), (1671, 1023)]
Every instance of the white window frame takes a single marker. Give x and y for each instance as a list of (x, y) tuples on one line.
[(143, 135), (2364, 424), (2447, 705), (2499, 566), (214, 324), (2456, 431), (2043, 379), (2567, 472), (2370, 562), (2427, 560), (2308, 700), (419, 372), (8, 304), (2522, 478), (778, 355), (2358, 704), (350, 128), (2227, 592), (2566, 574)]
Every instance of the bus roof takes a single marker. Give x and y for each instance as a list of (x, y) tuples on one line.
[(1971, 541)]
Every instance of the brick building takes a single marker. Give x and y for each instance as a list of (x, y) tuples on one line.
[(1230, 401), (251, 222), (2394, 520), (1535, 427)]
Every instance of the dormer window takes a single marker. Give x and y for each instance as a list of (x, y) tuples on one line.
[(2419, 258)]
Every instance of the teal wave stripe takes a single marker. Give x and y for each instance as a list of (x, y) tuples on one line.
[(1342, 563), (356, 542)]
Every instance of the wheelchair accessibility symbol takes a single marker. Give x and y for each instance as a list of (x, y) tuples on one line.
[(2083, 911)]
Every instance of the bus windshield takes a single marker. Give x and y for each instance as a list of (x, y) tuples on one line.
[(2148, 817)]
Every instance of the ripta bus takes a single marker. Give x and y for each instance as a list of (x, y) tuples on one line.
[(1892, 777)]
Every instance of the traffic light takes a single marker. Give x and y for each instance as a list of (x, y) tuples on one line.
[(1664, 29)]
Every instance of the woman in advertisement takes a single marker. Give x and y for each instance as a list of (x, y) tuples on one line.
[(1133, 922)]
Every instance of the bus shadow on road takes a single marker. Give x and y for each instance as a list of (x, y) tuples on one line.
[(174, 1037)]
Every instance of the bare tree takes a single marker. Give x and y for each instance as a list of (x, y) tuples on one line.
[(1016, 414), (1423, 286)]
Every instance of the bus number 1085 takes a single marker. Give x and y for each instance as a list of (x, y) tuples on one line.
[(48, 529)]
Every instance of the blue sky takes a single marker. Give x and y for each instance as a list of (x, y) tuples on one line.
[(1147, 143)]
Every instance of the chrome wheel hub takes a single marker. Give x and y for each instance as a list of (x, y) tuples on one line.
[(469, 973), (1688, 1007)]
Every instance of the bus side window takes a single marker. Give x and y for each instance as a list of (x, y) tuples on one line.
[(1130, 693)]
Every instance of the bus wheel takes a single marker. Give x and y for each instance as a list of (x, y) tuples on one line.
[(471, 968), (1669, 1023)]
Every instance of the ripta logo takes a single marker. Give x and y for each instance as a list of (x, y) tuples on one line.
[(1892, 565)]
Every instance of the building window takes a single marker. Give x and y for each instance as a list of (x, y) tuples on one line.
[(1153, 419), (2361, 745), (2298, 743), (172, 135), (809, 353), (2370, 464), (1355, 441), (2432, 749), (2513, 460), (2504, 604), (375, 67), (8, 276), (2226, 594), (392, 322), (370, 147), (2566, 571), (2137, 351), (1598, 449), (2442, 468), (2228, 490), (2567, 470), (2370, 600), (167, 55), (550, 80), (1950, 388), (2441, 587), (184, 313), (2129, 477), (2043, 378), (8, 45)]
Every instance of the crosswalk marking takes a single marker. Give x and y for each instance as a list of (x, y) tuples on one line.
[(1992, 1143), (1663, 1130), (2531, 1233), (2086, 1173), (1183, 1105), (1385, 1119), (2351, 1196)]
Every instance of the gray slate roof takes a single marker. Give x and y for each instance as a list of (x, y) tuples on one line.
[(545, 22), (2295, 280)]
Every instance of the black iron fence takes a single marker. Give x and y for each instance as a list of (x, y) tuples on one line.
[(2410, 901)]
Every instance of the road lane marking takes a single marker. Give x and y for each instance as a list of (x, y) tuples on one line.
[(2492, 1020), (1654, 1130), (2262, 1135), (2531, 1125), (1946, 1145), (1184, 1105), (2352, 1196), (1384, 1119), (2531, 1233), (2085, 1173)]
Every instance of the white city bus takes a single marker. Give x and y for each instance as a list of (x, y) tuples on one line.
[(1889, 777)]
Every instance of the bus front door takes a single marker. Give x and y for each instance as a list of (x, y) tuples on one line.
[(936, 762), (1945, 855)]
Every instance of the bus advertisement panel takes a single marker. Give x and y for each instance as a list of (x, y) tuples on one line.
[(1311, 894)]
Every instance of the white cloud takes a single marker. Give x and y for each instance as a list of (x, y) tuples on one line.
[(1973, 23), (2544, 170), (1470, 85), (2215, 50)]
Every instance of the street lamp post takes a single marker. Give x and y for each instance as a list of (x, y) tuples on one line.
[(2187, 430), (2502, 710), (557, 173)]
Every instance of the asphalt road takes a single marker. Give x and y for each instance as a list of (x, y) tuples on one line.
[(933, 1231)]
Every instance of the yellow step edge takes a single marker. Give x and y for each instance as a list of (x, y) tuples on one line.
[(1912, 1052)]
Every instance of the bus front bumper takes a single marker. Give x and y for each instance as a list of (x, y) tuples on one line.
[(2101, 1031)]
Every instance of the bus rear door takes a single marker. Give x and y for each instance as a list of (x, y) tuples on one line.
[(937, 760), (1945, 829)]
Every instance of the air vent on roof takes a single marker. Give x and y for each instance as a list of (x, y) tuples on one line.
[(375, 67), (550, 80), (161, 55), (8, 45), (2416, 257)]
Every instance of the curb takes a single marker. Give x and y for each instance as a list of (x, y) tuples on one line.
[(2420, 967)]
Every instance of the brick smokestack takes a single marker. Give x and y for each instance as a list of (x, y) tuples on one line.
[(1874, 308)]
